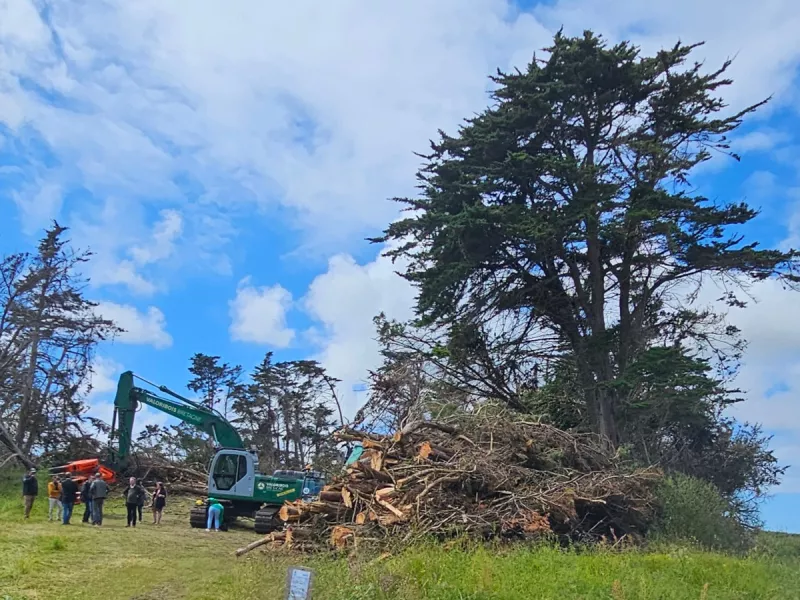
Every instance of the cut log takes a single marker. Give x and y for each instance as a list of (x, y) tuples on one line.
[(342, 536), (292, 512), (376, 462), (347, 497), (391, 508), (377, 475), (331, 496), (389, 520), (428, 451), (265, 540), (425, 450), (372, 444), (384, 493)]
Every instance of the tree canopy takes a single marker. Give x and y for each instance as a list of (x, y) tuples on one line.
[(567, 208)]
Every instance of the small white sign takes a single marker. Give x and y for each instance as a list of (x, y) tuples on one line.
[(298, 584)]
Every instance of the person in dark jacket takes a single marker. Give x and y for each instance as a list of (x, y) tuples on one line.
[(99, 491), (86, 498), (30, 489), (69, 492), (140, 506), (159, 502), (134, 495)]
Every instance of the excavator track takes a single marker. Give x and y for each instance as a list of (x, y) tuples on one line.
[(267, 520), (198, 517)]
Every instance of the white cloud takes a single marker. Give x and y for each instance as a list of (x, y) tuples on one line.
[(162, 244), (103, 379), (760, 140), (37, 205), (770, 374), (324, 123), (123, 251), (757, 35), (147, 328), (344, 300), (258, 314)]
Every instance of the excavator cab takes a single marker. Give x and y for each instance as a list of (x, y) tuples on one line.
[(232, 474)]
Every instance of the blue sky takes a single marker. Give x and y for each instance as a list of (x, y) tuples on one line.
[(225, 161)]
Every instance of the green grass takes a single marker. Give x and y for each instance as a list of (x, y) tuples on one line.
[(47, 561)]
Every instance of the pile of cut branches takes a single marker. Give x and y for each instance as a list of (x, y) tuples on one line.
[(178, 478), (481, 477)]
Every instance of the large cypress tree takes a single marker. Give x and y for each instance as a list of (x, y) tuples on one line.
[(568, 204)]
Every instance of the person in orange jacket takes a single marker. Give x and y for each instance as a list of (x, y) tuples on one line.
[(54, 497)]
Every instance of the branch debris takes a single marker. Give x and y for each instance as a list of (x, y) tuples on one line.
[(485, 478)]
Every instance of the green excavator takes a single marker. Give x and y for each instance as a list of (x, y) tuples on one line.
[(233, 476)]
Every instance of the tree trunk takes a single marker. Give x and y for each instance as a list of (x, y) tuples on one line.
[(607, 417), (6, 438), (600, 401), (27, 394)]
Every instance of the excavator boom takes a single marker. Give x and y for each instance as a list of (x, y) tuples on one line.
[(128, 399)]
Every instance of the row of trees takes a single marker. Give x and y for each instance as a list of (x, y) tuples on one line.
[(49, 332)]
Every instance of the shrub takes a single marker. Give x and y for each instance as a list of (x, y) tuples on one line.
[(694, 510), (777, 545)]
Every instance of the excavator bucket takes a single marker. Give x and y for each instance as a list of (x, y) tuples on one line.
[(83, 469), (88, 465)]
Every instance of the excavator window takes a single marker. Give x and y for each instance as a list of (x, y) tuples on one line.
[(242, 468), (228, 470), (225, 472)]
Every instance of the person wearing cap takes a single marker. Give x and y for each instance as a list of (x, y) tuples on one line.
[(54, 498), (30, 489)]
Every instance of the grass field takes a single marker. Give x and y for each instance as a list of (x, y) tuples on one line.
[(47, 561)]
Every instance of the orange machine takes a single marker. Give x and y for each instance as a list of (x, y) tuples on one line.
[(81, 470)]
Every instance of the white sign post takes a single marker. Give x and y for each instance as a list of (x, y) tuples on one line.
[(298, 583)]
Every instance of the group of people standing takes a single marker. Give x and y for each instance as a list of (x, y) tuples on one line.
[(135, 498), (62, 494), (93, 495)]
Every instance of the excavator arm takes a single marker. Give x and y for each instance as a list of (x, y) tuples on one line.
[(128, 399)]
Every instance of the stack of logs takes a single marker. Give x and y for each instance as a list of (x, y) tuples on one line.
[(476, 477)]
